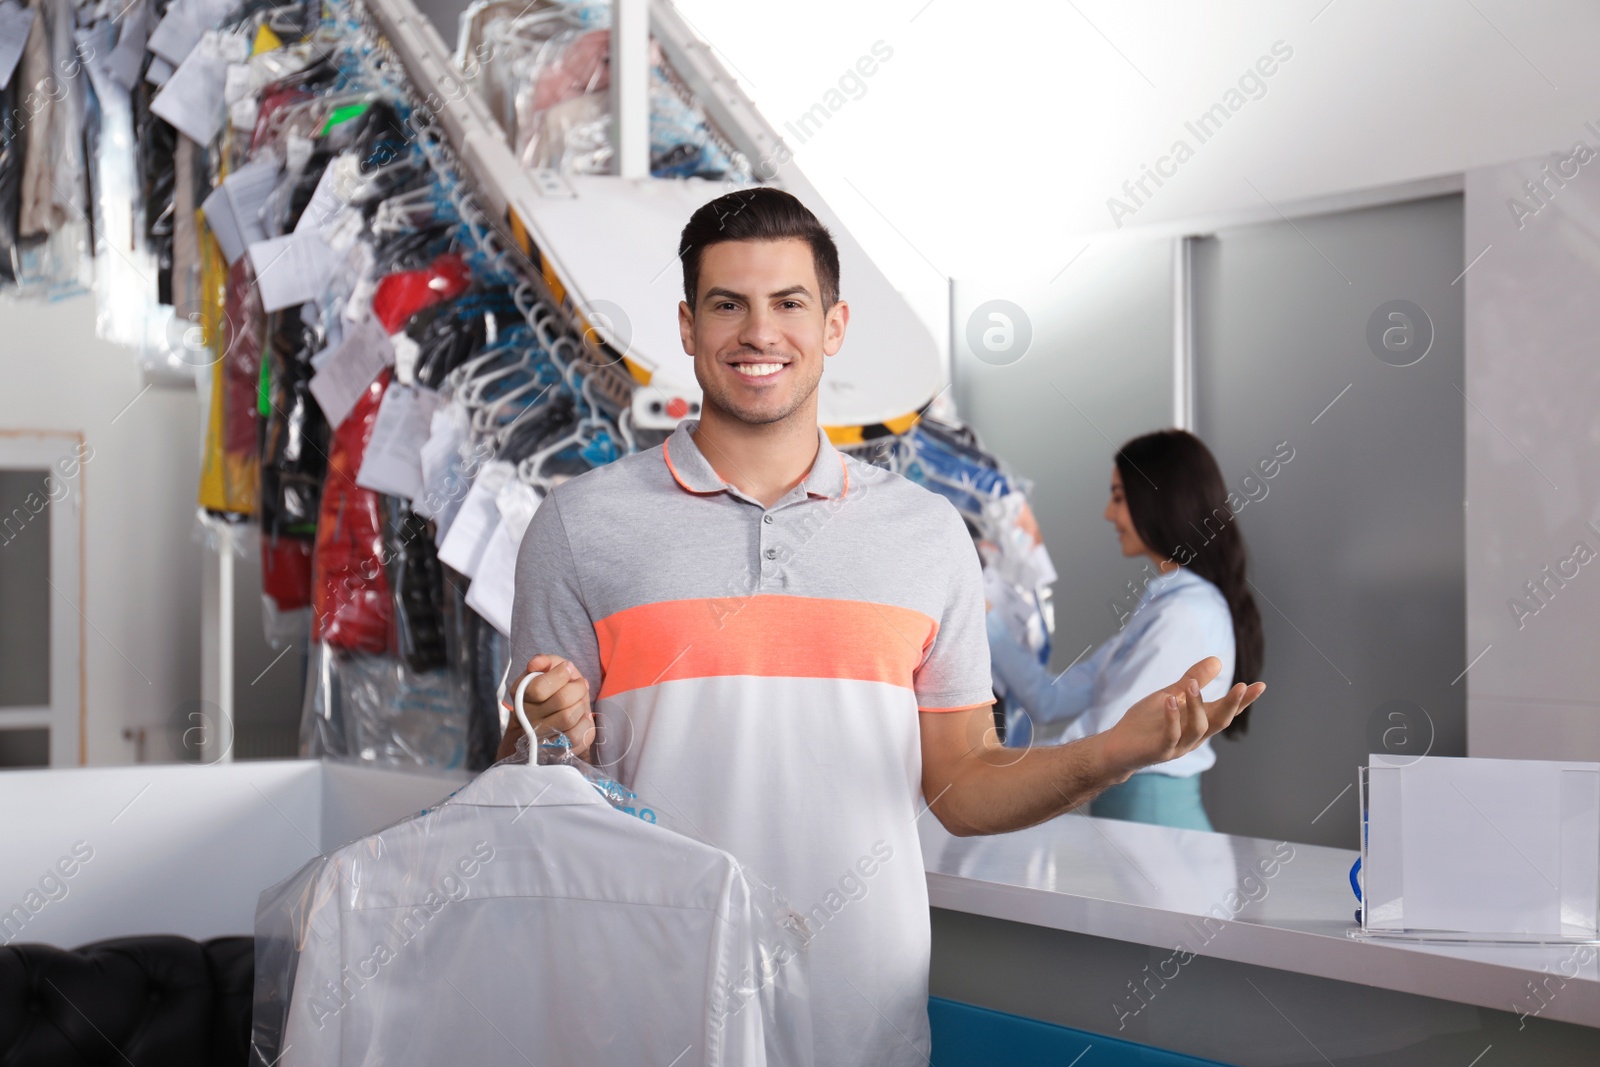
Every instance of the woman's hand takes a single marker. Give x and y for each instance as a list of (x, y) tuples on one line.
[(556, 702), (1174, 721)]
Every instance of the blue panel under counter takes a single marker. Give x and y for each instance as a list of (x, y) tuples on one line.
[(968, 1036), (1232, 949)]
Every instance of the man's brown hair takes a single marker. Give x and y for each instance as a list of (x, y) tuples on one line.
[(759, 214)]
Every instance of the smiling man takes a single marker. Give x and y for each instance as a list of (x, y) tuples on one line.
[(785, 647)]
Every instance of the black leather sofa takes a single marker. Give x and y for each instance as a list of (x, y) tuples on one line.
[(154, 1001)]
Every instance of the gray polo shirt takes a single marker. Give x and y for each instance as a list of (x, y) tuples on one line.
[(760, 673)]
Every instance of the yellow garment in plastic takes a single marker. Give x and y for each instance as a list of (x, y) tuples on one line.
[(266, 41), (229, 481)]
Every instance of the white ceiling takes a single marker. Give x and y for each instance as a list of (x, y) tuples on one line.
[(989, 142)]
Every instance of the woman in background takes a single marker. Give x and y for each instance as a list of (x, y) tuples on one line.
[(1170, 505)]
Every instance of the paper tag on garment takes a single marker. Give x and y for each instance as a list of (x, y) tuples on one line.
[(236, 84), (223, 225), (494, 587), (291, 270), (1043, 568), (128, 55), (185, 22), (328, 199), (159, 71), (444, 483), (347, 371), (15, 22), (233, 210), (393, 461), (464, 544), (516, 503), (191, 100), (176, 34), (248, 189)]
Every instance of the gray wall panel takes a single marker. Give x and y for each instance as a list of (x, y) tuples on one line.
[(1357, 547), (1098, 370)]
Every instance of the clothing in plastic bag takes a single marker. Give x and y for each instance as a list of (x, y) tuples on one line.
[(580, 931), (11, 145), (373, 709), (401, 295), (351, 609), (295, 445), (53, 252), (417, 579)]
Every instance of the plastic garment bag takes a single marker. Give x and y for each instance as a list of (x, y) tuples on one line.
[(10, 180), (417, 579), (351, 609), (378, 690), (236, 410), (401, 295), (563, 109), (158, 146), (54, 248), (479, 656), (52, 175), (549, 902), (947, 458), (294, 448), (373, 709)]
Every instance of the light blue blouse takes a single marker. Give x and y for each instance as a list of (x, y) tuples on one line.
[(1180, 619)]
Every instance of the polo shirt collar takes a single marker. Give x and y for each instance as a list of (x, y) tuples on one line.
[(693, 472)]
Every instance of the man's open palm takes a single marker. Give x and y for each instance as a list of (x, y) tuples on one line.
[(1172, 721)]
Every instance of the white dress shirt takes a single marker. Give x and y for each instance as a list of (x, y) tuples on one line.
[(525, 920), (1180, 620)]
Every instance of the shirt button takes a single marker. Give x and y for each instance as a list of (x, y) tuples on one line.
[(772, 553), (767, 519)]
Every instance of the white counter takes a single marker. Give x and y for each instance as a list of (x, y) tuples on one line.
[(1279, 905)]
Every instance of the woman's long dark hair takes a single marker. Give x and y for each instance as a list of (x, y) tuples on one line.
[(1179, 506)]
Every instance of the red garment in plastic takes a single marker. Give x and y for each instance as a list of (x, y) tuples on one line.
[(244, 331), (584, 67), (351, 606), (286, 571), (272, 102), (404, 293)]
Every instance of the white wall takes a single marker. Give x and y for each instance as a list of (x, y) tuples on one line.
[(142, 557), (1533, 463), (179, 849), (990, 142)]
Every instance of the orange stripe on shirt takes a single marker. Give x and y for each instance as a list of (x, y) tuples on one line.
[(770, 636)]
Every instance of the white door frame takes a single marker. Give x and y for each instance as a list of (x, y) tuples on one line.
[(62, 455)]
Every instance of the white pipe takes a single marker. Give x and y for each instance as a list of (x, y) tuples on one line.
[(630, 87), (1182, 335), (221, 736)]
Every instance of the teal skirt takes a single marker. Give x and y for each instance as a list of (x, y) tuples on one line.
[(1162, 799)]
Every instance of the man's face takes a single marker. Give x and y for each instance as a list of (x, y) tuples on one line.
[(758, 332)]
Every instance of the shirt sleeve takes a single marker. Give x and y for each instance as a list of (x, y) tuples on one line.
[(954, 674), (1177, 636), (1046, 698), (548, 614)]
